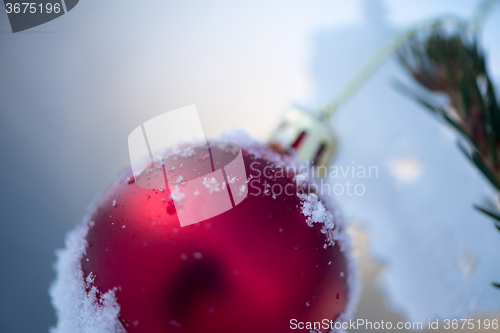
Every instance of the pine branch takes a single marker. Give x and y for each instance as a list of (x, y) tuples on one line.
[(451, 62)]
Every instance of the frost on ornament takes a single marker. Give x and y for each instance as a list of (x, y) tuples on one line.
[(80, 307), (156, 276)]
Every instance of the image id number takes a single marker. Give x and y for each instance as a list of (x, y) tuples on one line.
[(32, 8)]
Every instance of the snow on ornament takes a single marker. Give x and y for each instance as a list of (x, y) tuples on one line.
[(280, 254)]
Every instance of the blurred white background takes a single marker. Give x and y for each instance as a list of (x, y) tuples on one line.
[(73, 89)]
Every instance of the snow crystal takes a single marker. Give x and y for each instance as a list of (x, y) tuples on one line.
[(90, 279), (187, 153), (176, 195), (314, 209), (180, 180), (301, 178), (78, 311), (213, 185), (316, 212)]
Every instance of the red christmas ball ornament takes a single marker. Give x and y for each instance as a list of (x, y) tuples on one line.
[(276, 260)]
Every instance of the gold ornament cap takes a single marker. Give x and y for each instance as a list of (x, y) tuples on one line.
[(309, 136)]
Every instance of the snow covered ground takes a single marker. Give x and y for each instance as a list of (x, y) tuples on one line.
[(439, 254)]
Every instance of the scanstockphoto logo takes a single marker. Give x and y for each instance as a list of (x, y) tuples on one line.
[(334, 180), (25, 15), (172, 149)]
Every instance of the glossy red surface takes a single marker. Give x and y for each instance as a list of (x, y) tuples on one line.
[(251, 269)]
